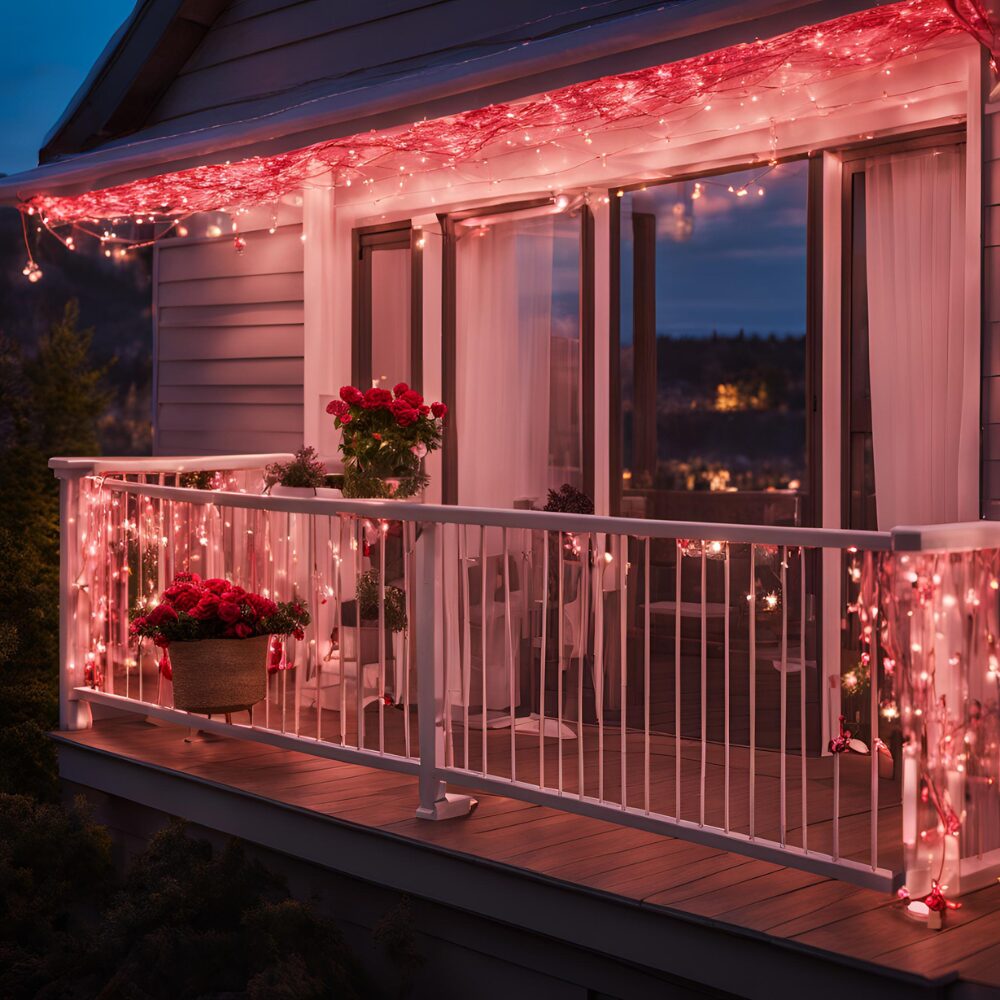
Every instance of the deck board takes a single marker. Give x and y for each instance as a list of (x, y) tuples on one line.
[(659, 871)]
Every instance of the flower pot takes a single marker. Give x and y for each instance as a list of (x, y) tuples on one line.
[(293, 491), (216, 676)]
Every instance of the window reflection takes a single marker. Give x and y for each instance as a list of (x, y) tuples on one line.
[(713, 342)]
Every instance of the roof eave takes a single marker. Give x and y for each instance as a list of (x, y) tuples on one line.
[(585, 53)]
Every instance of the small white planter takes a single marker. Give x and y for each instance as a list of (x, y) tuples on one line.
[(329, 493), (294, 491)]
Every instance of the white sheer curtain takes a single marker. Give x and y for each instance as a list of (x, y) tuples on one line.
[(924, 349), (504, 321)]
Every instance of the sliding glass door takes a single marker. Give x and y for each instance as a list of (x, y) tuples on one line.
[(715, 350)]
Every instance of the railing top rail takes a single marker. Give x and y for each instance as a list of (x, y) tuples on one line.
[(164, 463), (531, 519)]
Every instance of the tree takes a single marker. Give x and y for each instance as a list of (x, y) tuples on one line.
[(49, 404), (67, 395)]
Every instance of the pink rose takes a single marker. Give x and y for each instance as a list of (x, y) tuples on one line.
[(419, 449)]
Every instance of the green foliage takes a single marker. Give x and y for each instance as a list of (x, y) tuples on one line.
[(569, 500), (203, 480), (55, 869), (193, 922), (186, 922), (394, 933), (359, 484), (67, 393), (304, 470), (50, 404), (368, 601)]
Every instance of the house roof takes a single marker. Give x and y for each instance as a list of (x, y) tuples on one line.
[(187, 82)]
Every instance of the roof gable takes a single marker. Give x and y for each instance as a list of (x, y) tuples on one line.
[(137, 66)]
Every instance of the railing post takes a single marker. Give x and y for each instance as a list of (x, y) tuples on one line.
[(73, 713), (435, 801)]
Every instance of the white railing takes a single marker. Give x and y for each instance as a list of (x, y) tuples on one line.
[(664, 675)]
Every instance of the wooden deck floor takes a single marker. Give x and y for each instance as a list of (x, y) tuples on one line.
[(810, 911)]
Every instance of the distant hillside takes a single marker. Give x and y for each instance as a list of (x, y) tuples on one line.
[(115, 299)]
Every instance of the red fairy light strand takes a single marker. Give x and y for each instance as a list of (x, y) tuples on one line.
[(659, 95)]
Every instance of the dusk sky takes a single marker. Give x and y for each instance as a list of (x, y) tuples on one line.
[(46, 50)]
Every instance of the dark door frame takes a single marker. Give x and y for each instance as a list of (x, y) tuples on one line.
[(449, 336), (365, 242)]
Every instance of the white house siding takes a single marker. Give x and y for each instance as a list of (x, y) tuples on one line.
[(229, 342)]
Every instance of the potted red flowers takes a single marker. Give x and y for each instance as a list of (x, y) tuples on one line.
[(384, 438), (217, 634)]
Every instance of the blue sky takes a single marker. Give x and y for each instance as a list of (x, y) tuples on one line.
[(741, 265), (46, 50)]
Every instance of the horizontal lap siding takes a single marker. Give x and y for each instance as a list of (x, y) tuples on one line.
[(230, 343), (259, 52)]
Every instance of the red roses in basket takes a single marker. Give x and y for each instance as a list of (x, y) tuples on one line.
[(384, 436), (191, 609)]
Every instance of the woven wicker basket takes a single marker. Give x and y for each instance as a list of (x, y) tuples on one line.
[(216, 676)]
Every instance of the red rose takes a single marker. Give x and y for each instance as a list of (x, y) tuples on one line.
[(243, 631), (165, 667), (349, 394), (346, 418), (413, 398), (376, 398), (399, 388), (424, 410), (217, 586), (439, 410), (376, 436), (298, 633), (261, 606), (338, 408), (187, 599), (207, 607), (404, 413), (160, 614), (229, 612), (234, 595)]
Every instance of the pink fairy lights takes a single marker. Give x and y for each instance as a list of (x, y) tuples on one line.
[(658, 97)]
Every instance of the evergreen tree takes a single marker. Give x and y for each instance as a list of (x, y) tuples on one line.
[(49, 405)]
